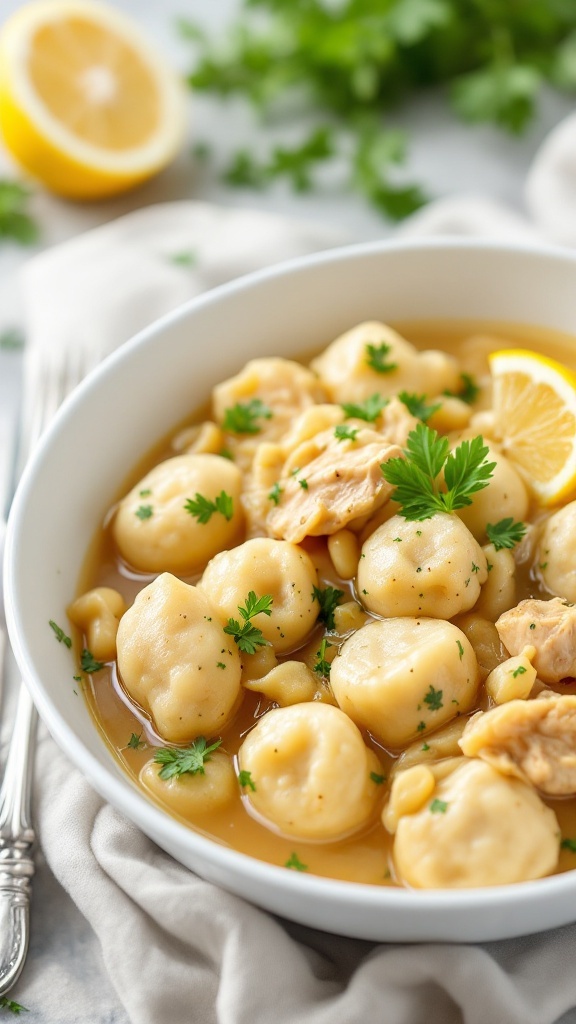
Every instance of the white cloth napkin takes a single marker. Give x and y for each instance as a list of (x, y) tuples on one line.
[(175, 948)]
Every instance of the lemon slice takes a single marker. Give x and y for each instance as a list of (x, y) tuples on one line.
[(535, 408), (86, 105)]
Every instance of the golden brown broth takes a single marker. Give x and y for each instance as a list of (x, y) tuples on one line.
[(364, 857)]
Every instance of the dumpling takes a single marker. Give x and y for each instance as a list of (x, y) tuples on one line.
[(155, 531), (401, 678), (311, 772), (372, 358), (192, 796), (506, 495), (434, 567), (556, 557), (477, 828), (267, 567), (176, 662)]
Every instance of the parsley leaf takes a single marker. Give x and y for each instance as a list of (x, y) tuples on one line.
[(16, 223), (241, 418), (13, 1007), (135, 741), (438, 806), (343, 432), (178, 761), (568, 844), (88, 662), (245, 780), (433, 699), (275, 493), (295, 863), (506, 533), (323, 666), (203, 508), (468, 392), (328, 599), (11, 340), (376, 358), (144, 512), (59, 633), (248, 637), (416, 404), (368, 410), (415, 477)]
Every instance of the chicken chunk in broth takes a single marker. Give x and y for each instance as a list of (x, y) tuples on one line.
[(332, 621)]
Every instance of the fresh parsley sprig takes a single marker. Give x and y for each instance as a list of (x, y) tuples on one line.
[(243, 417), (417, 406), (248, 637), (328, 599), (190, 760), (323, 666), (369, 410), (377, 358), (204, 508), (506, 533), (415, 478), (16, 224)]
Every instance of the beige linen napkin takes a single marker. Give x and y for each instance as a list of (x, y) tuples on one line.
[(175, 948)]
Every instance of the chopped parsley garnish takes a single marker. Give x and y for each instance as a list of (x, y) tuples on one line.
[(11, 340), (469, 389), (378, 779), (416, 404), (15, 221), (13, 1007), (434, 699), (248, 637), (135, 742), (303, 484), (203, 508), (88, 662), (568, 844), (144, 511), (220, 664), (460, 649), (245, 780), (520, 671), (295, 863), (274, 494), (369, 410), (427, 455), (438, 806), (425, 747), (178, 761), (145, 492), (328, 600), (242, 417), (376, 358), (322, 666), (59, 633), (421, 726), (186, 258), (506, 533), (343, 432)]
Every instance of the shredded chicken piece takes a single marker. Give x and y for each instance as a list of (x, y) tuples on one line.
[(535, 740), (327, 483), (284, 388), (550, 626)]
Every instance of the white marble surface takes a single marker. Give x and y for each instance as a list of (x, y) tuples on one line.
[(65, 970)]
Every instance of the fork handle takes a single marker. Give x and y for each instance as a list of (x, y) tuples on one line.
[(17, 840)]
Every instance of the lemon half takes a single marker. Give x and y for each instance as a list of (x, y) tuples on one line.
[(86, 104), (534, 401)]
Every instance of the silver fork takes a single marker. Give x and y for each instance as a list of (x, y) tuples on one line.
[(49, 377)]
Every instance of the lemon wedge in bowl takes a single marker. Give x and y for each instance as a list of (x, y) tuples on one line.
[(86, 104), (534, 400)]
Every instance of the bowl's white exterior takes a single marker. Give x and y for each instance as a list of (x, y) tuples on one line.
[(145, 389)]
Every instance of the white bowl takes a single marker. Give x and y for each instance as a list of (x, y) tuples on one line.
[(144, 390)]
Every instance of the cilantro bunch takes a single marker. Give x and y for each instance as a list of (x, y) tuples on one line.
[(345, 65)]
